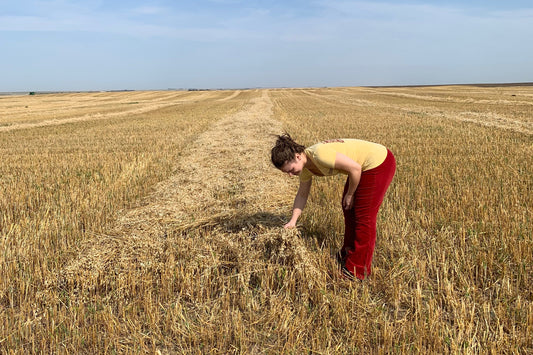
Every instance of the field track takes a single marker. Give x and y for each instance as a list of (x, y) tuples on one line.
[(216, 184)]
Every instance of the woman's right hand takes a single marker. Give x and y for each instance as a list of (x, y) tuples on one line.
[(291, 224)]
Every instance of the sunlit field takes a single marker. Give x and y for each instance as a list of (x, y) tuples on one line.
[(150, 222)]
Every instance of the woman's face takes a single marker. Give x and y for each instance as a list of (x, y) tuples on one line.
[(294, 167)]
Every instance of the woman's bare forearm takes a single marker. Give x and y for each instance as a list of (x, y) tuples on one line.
[(355, 177), (298, 206), (299, 203)]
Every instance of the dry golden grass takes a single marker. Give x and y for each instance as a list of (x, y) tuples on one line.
[(53, 109), (156, 229), (454, 251)]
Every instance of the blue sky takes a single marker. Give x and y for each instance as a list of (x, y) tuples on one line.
[(160, 44)]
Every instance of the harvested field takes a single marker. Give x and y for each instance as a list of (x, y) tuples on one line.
[(150, 222)]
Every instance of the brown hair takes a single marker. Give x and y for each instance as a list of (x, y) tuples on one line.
[(285, 150)]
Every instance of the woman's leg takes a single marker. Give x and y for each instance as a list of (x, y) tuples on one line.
[(362, 218)]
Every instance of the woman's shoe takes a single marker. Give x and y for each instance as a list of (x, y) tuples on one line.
[(341, 257), (347, 274)]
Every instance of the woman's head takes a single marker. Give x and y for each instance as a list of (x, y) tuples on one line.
[(285, 150)]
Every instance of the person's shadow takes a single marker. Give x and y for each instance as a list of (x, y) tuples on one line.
[(259, 222), (253, 221), (268, 220)]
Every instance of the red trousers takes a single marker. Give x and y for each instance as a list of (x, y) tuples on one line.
[(360, 220)]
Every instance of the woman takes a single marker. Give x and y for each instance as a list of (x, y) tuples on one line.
[(370, 168)]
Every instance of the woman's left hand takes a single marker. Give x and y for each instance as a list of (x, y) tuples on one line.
[(354, 171), (347, 202)]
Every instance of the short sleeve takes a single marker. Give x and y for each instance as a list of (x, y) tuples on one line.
[(305, 175), (325, 156)]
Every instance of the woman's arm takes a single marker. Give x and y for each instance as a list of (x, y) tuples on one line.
[(299, 202), (354, 170)]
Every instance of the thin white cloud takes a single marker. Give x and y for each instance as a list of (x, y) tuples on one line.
[(341, 21), (144, 21), (417, 21), (226, 2), (149, 10), (26, 23), (68, 15)]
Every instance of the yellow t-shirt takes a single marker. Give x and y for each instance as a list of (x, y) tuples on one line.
[(369, 155)]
